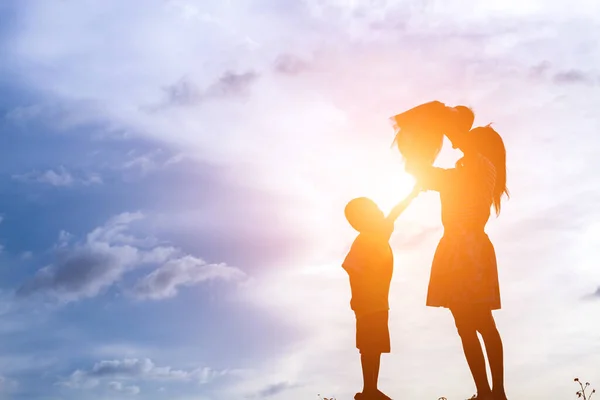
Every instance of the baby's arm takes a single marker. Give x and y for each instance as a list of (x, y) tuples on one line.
[(400, 207)]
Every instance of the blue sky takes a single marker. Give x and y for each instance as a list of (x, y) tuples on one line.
[(173, 175)]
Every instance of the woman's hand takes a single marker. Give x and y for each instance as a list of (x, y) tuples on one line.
[(417, 189)]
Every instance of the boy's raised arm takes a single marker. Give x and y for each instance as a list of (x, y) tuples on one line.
[(400, 207)]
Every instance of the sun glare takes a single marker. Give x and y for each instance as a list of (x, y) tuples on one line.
[(387, 184)]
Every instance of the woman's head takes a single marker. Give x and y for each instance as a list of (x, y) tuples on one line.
[(460, 121), (489, 143)]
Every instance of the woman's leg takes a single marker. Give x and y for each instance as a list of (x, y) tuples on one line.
[(494, 350), (467, 329)]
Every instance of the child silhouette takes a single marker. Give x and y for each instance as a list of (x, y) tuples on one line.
[(369, 265)]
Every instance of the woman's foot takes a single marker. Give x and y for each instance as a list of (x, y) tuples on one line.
[(488, 396), (499, 395)]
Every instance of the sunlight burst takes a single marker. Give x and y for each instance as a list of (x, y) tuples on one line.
[(386, 182)]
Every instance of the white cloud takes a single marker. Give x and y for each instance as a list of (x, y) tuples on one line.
[(151, 161), (165, 281), (8, 385), (136, 370), (121, 388), (59, 177), (79, 380), (64, 238), (87, 268)]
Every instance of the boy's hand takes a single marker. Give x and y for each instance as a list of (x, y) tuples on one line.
[(417, 189), (400, 207)]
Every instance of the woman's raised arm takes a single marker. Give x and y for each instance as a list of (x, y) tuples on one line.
[(431, 178)]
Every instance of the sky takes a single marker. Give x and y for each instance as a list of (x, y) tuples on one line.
[(173, 175)]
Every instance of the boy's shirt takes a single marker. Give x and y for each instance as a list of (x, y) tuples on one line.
[(370, 264)]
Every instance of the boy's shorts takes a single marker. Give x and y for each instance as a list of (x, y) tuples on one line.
[(372, 333)]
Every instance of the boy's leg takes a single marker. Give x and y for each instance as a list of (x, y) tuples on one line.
[(370, 369), (375, 342), (369, 356)]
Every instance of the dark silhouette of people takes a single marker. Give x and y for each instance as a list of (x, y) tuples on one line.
[(464, 275), (369, 265)]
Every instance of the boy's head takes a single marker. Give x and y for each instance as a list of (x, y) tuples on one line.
[(363, 214)]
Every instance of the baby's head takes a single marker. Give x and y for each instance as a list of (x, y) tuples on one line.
[(364, 215)]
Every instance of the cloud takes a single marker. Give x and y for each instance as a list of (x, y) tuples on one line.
[(275, 389), (289, 64), (151, 161), (539, 70), (137, 370), (79, 380), (121, 388), (165, 281), (59, 177), (183, 93), (62, 114), (83, 273), (229, 85), (545, 70), (593, 296), (85, 269), (573, 76), (7, 384)]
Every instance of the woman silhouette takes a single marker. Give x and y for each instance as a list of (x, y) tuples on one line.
[(464, 275)]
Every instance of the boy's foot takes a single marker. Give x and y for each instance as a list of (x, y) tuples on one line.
[(377, 395)]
